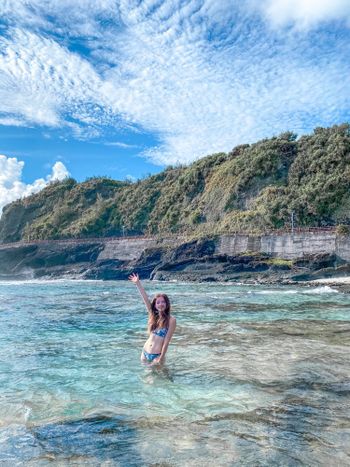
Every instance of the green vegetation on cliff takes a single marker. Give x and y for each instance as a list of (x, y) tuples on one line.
[(254, 187)]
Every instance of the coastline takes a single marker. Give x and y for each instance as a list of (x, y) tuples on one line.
[(233, 259), (333, 280), (342, 284)]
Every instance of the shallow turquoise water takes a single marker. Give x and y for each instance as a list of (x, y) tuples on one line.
[(254, 376)]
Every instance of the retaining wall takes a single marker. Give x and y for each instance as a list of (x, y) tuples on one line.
[(286, 246)]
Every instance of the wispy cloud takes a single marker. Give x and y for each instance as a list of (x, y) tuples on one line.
[(304, 15), (41, 82), (201, 75), (11, 185), (121, 145), (59, 17), (11, 121)]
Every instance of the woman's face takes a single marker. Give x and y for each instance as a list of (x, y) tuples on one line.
[(160, 303)]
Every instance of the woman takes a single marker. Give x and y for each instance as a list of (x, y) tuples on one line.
[(161, 325)]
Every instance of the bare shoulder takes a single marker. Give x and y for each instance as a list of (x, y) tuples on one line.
[(172, 320)]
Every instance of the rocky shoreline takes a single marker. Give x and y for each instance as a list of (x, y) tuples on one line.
[(195, 261)]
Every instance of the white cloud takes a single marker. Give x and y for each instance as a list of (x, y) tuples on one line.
[(85, 15), (119, 144), (202, 75), (304, 14), (11, 186), (59, 172), (42, 81), (202, 98), (9, 121)]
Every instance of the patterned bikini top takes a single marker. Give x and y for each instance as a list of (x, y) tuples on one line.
[(162, 332)]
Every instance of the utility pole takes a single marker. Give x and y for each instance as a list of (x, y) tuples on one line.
[(292, 221), (123, 227)]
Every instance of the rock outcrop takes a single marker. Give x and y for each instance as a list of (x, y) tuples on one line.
[(210, 259)]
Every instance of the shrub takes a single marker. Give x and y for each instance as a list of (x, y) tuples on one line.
[(342, 230)]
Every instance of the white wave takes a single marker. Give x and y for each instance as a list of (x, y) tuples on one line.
[(321, 290), (273, 292), (20, 282)]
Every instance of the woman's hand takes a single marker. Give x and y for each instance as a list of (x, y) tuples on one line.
[(158, 361), (134, 277)]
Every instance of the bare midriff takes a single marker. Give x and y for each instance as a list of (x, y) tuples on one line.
[(154, 344)]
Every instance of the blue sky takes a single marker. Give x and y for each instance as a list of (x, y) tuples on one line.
[(123, 88)]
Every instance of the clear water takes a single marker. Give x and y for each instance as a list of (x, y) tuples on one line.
[(255, 376)]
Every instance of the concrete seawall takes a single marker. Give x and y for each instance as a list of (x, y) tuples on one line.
[(287, 246), (126, 249), (342, 248)]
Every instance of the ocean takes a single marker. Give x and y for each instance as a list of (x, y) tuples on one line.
[(255, 376)]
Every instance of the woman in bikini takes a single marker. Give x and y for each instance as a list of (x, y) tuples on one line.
[(161, 325)]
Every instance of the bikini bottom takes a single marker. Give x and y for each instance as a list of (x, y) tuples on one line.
[(150, 356)]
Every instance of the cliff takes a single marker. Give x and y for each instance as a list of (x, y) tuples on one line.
[(261, 258)]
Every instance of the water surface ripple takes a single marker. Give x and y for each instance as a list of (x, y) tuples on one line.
[(255, 376)]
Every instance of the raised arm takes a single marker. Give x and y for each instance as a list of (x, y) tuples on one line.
[(136, 280)]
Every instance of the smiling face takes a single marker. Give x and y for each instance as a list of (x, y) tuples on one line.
[(159, 318), (160, 303)]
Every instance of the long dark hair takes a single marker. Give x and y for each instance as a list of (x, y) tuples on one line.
[(159, 319)]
